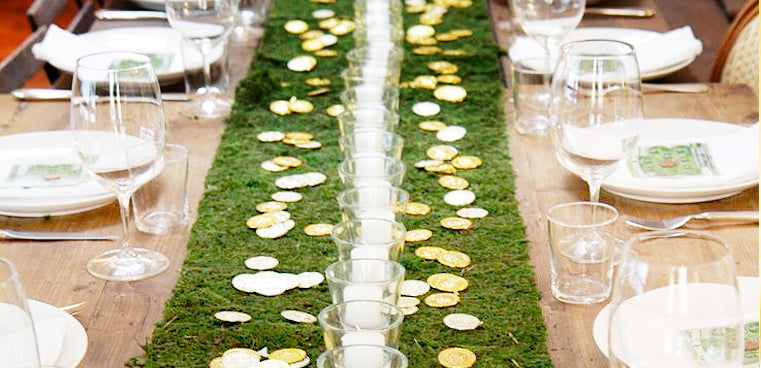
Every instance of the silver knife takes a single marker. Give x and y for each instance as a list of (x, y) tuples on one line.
[(47, 94), (51, 235), (621, 12), (108, 14)]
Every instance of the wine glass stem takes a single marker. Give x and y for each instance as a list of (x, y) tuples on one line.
[(594, 191), (551, 48), (205, 58), (124, 200)]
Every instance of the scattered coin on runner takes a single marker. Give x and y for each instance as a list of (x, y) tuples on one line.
[(457, 358), (456, 223), (271, 206), (328, 23), (272, 363), (462, 321), (441, 300), (441, 152), (297, 137), (408, 311), (325, 53), (216, 363), (414, 287), (426, 108), (447, 282), (472, 212), (450, 93), (323, 13), (288, 355), (302, 63), (453, 258), (430, 125), (276, 230), (427, 50), (287, 161), (417, 235), (429, 252), (298, 316), (416, 209), (453, 182), (240, 358), (442, 169), (318, 229), (407, 301), (296, 26), (420, 31), (335, 110), (318, 92), (300, 106), (280, 107), (261, 221), (232, 316), (287, 196), (261, 263), (442, 67), (467, 162), (270, 136), (271, 166), (310, 279), (422, 164), (459, 197), (451, 133), (281, 216), (449, 79), (309, 145)]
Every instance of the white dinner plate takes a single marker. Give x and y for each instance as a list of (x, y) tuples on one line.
[(74, 344), (527, 47), (151, 4), (749, 296), (41, 198), (658, 190)]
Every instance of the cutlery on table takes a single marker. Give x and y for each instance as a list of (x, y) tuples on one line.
[(108, 14), (47, 94), (675, 87), (73, 309), (676, 222), (621, 12), (51, 235)]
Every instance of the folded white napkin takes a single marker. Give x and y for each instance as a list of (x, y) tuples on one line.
[(734, 155), (667, 49), (62, 48)]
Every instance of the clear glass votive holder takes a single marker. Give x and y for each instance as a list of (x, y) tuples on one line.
[(371, 94), (361, 322), (372, 73), (161, 205), (365, 356), (582, 250), (355, 119), (371, 142), (530, 87), (372, 201), (369, 239), (371, 170), (365, 279)]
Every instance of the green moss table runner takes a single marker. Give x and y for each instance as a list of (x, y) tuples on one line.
[(501, 292)]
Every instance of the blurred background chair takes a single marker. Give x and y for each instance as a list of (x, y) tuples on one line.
[(737, 58), (21, 65)]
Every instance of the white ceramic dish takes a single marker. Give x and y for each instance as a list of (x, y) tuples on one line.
[(749, 295), (75, 341), (151, 4), (682, 130), (526, 47), (51, 147)]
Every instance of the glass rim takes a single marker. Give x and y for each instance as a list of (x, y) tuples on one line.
[(398, 315), (621, 48), (328, 354), (144, 60), (565, 223), (336, 236), (396, 266), (9, 272), (398, 167)]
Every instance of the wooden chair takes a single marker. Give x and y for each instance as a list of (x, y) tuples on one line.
[(21, 65), (737, 58)]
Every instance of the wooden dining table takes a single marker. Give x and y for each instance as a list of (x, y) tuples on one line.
[(119, 316)]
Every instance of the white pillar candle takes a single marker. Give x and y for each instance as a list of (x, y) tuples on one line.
[(364, 357), (369, 252), (376, 231), (370, 167)]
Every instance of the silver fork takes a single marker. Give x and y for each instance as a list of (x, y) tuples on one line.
[(676, 222), (51, 235)]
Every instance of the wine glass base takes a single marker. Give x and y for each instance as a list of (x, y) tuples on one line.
[(128, 265), (211, 107)]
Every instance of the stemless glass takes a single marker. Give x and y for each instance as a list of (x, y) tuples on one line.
[(675, 303), (18, 343), (206, 24), (547, 21), (116, 107), (596, 108)]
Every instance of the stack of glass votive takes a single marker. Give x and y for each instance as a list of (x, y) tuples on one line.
[(363, 325)]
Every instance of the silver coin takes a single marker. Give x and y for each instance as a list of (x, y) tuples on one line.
[(323, 13), (309, 145), (415, 287), (240, 358), (310, 279), (270, 136), (261, 263), (271, 166), (303, 363), (410, 310), (232, 316), (427, 163), (407, 301), (277, 230), (287, 196), (272, 363), (459, 197), (281, 216), (244, 282), (472, 212), (426, 108), (451, 133), (298, 316), (462, 321)]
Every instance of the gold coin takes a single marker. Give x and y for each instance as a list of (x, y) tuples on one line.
[(431, 125), (456, 223), (429, 252), (462, 32), (300, 106), (280, 107), (450, 93), (310, 35), (299, 136), (415, 9), (312, 45), (442, 67), (288, 355), (445, 37), (453, 258), (287, 161), (335, 110), (457, 358), (216, 363), (408, 311), (424, 81), (441, 152), (271, 206), (441, 300), (420, 31), (426, 50), (417, 235), (424, 41), (317, 82), (442, 169), (454, 52), (344, 27), (318, 229), (296, 26), (416, 209), (302, 63), (261, 221), (318, 92), (449, 79), (467, 162), (447, 282), (430, 19), (328, 23), (326, 53), (452, 182)]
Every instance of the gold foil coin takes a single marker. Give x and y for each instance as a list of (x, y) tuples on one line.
[(271, 206), (318, 229), (441, 300), (328, 23), (441, 152), (420, 31), (310, 35), (467, 162), (461, 32), (456, 223), (302, 63), (453, 258), (431, 125), (326, 53), (270, 136), (335, 110), (317, 82), (287, 161), (344, 27), (426, 50), (442, 67), (430, 253), (416, 209), (300, 106), (449, 79), (424, 81), (261, 221), (423, 164), (447, 282), (296, 26), (216, 363), (462, 321), (323, 14), (408, 311), (280, 107), (457, 358), (454, 52), (288, 355), (442, 169), (417, 235), (446, 37), (453, 182), (313, 44), (450, 93), (298, 136), (318, 92)]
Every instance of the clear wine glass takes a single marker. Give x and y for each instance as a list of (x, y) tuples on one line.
[(206, 24), (547, 21), (18, 341), (675, 303), (596, 108), (116, 107)]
